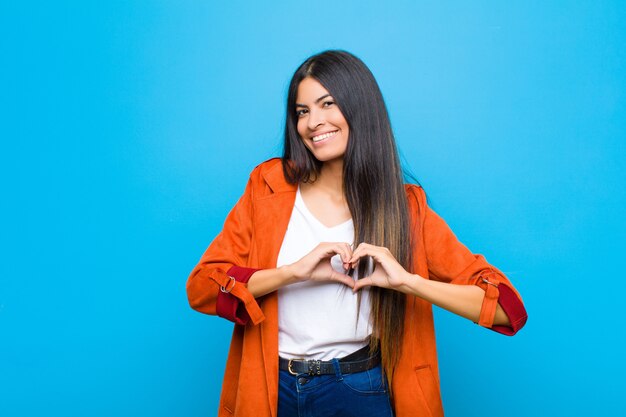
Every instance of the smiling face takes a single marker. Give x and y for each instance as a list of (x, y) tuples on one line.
[(320, 124)]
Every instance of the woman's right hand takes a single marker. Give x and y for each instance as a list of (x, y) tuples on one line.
[(316, 266)]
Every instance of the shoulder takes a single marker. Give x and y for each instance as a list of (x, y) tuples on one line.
[(415, 194), (267, 166), (269, 174), (417, 202)]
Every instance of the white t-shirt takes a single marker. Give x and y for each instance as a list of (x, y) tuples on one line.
[(318, 320)]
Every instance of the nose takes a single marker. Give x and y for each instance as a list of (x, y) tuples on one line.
[(315, 119)]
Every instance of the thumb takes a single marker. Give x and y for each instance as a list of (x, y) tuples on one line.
[(342, 278), (363, 282)]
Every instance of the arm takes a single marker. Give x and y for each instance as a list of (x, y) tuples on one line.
[(221, 285), (315, 266), (464, 300), (217, 285), (459, 281), (449, 261)]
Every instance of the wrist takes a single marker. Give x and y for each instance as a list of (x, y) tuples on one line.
[(410, 283), (287, 274)]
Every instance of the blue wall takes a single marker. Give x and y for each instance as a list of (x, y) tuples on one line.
[(128, 130)]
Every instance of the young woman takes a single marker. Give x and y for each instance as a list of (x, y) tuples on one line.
[(329, 265)]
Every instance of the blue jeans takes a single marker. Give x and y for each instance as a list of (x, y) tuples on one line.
[(359, 394)]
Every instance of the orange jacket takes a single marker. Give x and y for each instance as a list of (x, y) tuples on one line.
[(252, 237)]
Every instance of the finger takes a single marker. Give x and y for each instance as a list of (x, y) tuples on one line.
[(365, 282), (328, 250), (345, 252), (356, 255), (362, 245), (342, 278), (369, 250), (356, 261), (347, 255)]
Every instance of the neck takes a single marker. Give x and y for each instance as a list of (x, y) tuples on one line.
[(331, 176)]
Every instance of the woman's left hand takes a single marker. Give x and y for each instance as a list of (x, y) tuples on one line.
[(388, 273)]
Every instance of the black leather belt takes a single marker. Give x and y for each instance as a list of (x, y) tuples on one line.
[(348, 365)]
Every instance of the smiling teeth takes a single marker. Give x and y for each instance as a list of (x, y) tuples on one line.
[(322, 137)]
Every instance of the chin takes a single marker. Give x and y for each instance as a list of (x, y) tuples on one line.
[(329, 158)]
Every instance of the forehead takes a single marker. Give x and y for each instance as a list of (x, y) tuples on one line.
[(310, 90)]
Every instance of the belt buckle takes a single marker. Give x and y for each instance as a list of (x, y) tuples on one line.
[(289, 365), (314, 366)]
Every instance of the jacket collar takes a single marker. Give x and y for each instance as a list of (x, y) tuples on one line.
[(275, 179)]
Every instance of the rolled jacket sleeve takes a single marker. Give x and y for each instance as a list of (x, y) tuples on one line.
[(217, 285), (451, 261)]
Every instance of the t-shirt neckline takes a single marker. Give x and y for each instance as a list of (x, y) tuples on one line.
[(305, 210)]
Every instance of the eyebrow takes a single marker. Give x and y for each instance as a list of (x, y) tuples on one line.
[(316, 101)]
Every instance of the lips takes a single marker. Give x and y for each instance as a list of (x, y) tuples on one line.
[(323, 136)]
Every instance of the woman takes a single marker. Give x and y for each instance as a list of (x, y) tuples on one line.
[(329, 265)]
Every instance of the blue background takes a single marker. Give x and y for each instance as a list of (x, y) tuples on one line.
[(128, 130)]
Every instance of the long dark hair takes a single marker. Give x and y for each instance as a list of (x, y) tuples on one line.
[(372, 178)]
